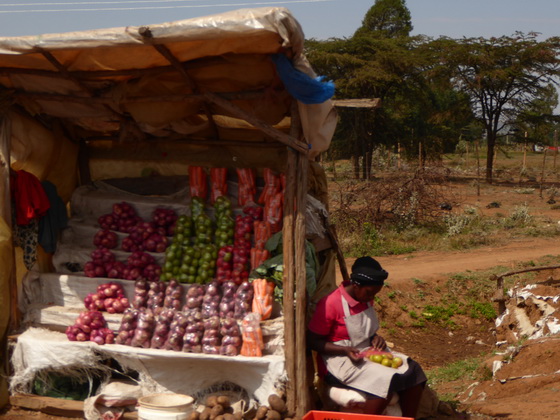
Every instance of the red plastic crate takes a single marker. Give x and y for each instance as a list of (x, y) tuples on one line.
[(334, 415)]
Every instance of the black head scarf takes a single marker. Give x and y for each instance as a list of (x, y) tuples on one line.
[(367, 272)]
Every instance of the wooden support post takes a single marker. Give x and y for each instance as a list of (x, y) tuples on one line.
[(303, 394), (477, 169), (542, 173), (524, 154), (6, 214)]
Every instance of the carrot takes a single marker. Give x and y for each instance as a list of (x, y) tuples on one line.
[(271, 187), (219, 183), (246, 186), (263, 297), (197, 182), (273, 212)]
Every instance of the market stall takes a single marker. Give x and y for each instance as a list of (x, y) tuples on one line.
[(148, 118)]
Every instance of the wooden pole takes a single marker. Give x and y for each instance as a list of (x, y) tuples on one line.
[(398, 156), (525, 153), (477, 169), (555, 148), (467, 157), (542, 173), (303, 394), (6, 214), (288, 280)]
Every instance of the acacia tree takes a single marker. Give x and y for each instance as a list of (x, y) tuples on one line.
[(500, 75)]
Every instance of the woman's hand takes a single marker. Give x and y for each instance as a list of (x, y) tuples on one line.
[(378, 343), (353, 353)]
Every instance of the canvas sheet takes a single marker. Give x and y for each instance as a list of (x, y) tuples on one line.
[(160, 370)]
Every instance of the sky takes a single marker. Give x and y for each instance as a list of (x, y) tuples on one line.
[(320, 19)]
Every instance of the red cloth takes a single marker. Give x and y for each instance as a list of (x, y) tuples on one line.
[(328, 319), (31, 201)]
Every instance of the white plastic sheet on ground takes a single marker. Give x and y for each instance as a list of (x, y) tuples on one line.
[(39, 349)]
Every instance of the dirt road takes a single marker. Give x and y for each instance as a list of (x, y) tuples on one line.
[(430, 265)]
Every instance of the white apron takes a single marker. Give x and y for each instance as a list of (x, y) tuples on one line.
[(364, 375)]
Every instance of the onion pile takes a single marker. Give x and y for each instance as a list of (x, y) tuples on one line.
[(102, 261), (144, 329), (109, 297), (156, 296), (231, 337), (105, 238), (162, 328), (141, 264), (90, 326), (166, 219), (128, 325), (122, 219), (177, 330), (141, 287), (243, 300), (192, 341), (211, 339), (173, 294), (211, 301), (145, 236), (194, 297), (227, 303)]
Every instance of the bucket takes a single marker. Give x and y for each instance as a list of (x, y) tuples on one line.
[(165, 407)]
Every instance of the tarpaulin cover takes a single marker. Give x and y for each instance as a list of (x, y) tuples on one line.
[(39, 349)]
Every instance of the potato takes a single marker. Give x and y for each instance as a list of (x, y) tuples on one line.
[(273, 415), (223, 401), (238, 415), (211, 401), (261, 412), (276, 403), (216, 411), (205, 415), (195, 415), (220, 417), (228, 416)]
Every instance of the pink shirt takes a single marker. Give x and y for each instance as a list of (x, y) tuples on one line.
[(328, 319)]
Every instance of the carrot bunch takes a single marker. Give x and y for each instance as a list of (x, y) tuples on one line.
[(273, 211), (218, 177), (263, 297), (197, 182), (247, 186), (251, 333), (272, 185)]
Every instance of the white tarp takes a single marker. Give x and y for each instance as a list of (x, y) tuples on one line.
[(39, 349)]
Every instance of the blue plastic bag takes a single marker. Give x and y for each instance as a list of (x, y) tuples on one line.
[(301, 86)]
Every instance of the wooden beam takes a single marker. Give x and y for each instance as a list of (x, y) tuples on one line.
[(280, 136), (52, 97), (127, 123), (147, 35)]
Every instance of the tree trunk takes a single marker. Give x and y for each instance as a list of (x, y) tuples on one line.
[(491, 144)]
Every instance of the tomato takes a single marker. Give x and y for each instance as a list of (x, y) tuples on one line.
[(397, 362), (386, 362)]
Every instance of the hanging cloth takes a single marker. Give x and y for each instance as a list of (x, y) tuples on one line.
[(31, 201), (54, 220)]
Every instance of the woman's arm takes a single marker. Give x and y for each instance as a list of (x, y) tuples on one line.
[(320, 344)]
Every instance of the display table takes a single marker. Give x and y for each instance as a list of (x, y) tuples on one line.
[(159, 370)]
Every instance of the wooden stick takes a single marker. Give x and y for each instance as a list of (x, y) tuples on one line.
[(542, 172), (289, 278), (303, 398), (477, 169), (6, 214), (241, 95), (164, 51), (265, 128)]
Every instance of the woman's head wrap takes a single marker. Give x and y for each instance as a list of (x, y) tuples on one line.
[(367, 272)]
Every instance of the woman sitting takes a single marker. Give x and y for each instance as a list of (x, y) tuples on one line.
[(343, 326)]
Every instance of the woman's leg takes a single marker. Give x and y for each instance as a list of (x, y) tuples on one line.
[(409, 400), (375, 405)]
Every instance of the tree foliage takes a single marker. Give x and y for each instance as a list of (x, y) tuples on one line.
[(501, 76), (387, 19)]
